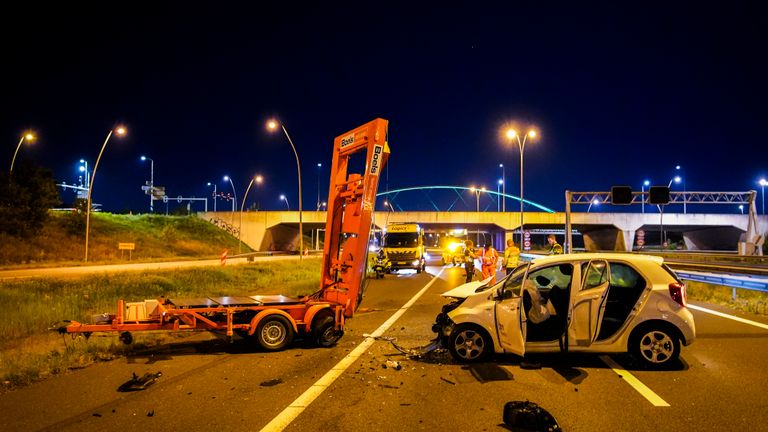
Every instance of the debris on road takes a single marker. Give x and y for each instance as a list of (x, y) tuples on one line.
[(392, 365), (151, 413), (139, 383), (96, 415), (272, 382), (448, 381), (414, 353), (530, 365), (528, 416)]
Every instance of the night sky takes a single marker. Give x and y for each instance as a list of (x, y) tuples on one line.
[(618, 94)]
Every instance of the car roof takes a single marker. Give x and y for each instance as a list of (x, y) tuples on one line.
[(598, 255)]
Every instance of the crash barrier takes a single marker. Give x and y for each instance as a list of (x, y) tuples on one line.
[(754, 283), (750, 282)]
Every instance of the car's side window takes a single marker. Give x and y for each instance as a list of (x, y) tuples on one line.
[(624, 276), (596, 274), (549, 277)]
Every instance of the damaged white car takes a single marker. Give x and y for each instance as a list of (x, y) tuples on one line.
[(606, 303)]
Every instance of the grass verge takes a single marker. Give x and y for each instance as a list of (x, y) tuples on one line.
[(746, 300), (29, 351)]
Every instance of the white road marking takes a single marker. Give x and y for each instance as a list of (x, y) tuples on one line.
[(305, 399), (730, 317), (630, 379)]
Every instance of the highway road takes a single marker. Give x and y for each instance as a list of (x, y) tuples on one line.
[(208, 383)]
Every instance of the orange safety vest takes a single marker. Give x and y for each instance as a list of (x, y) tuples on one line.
[(489, 257)]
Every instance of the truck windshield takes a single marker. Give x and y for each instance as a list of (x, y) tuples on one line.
[(401, 240)]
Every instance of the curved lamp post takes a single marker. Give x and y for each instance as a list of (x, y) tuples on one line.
[(258, 179), (512, 134), (272, 126), (26, 136), (151, 183), (120, 131)]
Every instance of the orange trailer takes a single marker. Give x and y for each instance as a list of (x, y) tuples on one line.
[(273, 320)]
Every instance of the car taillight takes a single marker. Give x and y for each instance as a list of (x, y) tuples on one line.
[(677, 291)]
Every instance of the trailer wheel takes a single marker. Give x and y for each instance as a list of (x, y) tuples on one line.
[(126, 338), (323, 332), (274, 333)]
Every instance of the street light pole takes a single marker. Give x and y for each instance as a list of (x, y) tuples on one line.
[(28, 137), (151, 183), (214, 195), (642, 203), (685, 198), (503, 189), (258, 179), (120, 131), (319, 167), (477, 196), (272, 125), (285, 198), (511, 133), (763, 184)]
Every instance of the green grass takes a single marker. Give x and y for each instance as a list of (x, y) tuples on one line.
[(30, 351), (157, 238), (746, 300)]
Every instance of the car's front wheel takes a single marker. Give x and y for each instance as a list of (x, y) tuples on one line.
[(469, 344), (655, 345)]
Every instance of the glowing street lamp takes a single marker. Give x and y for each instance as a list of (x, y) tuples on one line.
[(498, 187), (258, 179), (119, 131), (387, 203), (284, 198), (319, 168), (27, 136), (645, 183), (763, 183), (741, 208), (595, 202), (272, 125), (512, 134)]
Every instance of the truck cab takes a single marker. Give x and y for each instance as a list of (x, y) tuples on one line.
[(404, 246)]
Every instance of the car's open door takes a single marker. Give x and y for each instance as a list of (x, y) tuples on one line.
[(588, 303), (510, 319)]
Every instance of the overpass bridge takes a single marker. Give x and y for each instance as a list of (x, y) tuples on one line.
[(279, 230)]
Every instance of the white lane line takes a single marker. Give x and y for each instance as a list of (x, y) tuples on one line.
[(641, 388), (302, 402), (730, 317)]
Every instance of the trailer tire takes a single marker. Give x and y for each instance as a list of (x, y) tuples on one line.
[(323, 332), (274, 333)]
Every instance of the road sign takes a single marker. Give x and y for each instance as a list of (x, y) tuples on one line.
[(640, 237), (526, 234), (126, 246)]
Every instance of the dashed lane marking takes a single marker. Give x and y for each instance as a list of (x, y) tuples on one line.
[(630, 379), (730, 317), (305, 399)]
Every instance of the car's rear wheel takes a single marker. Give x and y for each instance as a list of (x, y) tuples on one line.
[(469, 344), (656, 345)]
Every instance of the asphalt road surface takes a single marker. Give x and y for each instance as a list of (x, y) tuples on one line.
[(209, 384)]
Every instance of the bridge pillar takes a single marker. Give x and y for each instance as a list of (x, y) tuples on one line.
[(717, 238)]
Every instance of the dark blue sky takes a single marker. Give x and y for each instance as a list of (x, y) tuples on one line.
[(618, 92)]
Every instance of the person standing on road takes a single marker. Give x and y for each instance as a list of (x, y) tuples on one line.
[(469, 260), (490, 256), (511, 256), (554, 246)]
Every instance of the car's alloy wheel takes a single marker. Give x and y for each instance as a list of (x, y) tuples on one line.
[(656, 347), (467, 344)]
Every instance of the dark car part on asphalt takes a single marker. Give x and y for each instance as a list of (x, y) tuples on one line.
[(528, 416), (139, 383), (413, 353)]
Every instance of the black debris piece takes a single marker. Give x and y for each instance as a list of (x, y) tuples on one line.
[(96, 415), (526, 416), (448, 381), (139, 383), (530, 365), (151, 413), (272, 382)]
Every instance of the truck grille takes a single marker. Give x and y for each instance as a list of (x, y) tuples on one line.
[(401, 256)]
